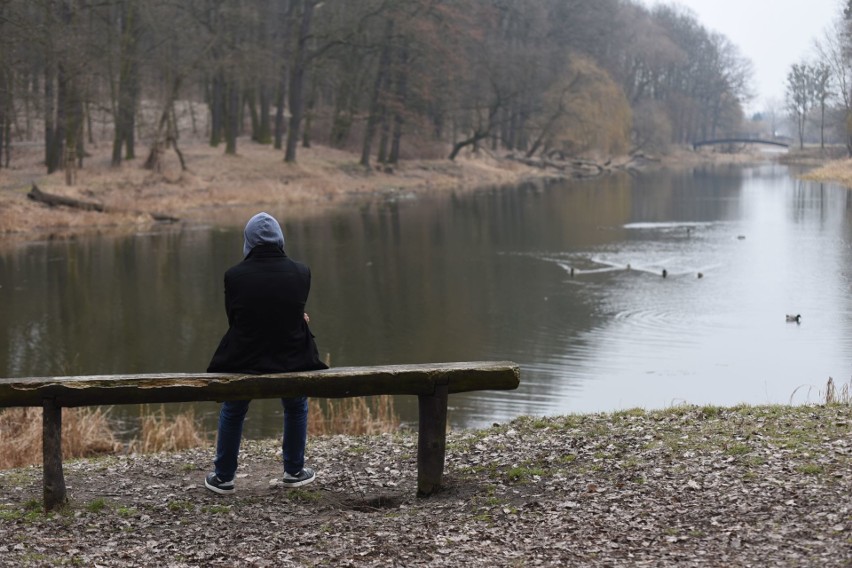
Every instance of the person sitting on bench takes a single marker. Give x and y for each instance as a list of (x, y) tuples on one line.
[(268, 332)]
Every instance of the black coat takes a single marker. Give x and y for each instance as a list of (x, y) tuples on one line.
[(265, 299)]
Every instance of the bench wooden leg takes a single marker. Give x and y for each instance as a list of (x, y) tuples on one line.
[(431, 441), (54, 479)]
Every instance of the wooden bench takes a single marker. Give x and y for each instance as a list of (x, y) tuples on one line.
[(431, 383)]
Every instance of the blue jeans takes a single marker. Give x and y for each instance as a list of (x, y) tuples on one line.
[(231, 432)]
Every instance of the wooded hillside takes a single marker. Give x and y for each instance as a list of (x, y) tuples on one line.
[(389, 79)]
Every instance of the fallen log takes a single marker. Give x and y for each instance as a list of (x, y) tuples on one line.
[(52, 200), (163, 218)]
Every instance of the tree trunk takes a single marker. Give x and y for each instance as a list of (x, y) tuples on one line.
[(5, 114), (505, 129), (250, 100), (61, 116), (384, 138), (473, 140), (376, 103), (849, 133), (297, 80), (309, 113), (345, 101), (280, 97), (5, 94), (285, 27), (52, 139), (73, 129), (264, 132), (232, 116), (90, 129), (2, 133), (167, 133), (128, 84), (217, 108), (401, 100), (383, 155)]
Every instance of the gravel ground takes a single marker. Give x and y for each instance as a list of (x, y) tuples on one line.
[(687, 486)]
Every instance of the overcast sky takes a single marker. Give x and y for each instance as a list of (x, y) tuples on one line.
[(773, 34)]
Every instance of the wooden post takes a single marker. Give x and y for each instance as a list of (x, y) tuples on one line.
[(54, 479), (431, 440)]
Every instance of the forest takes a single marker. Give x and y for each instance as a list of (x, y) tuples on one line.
[(385, 79)]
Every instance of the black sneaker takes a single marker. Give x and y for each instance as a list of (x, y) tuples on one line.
[(304, 477), (213, 483)]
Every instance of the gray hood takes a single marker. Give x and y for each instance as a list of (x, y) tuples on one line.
[(262, 229)]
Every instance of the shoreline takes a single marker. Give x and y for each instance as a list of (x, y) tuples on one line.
[(216, 186), (215, 183)]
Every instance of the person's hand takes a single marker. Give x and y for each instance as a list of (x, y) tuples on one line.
[(307, 318)]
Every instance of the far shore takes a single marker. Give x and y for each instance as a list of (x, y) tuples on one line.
[(215, 185)]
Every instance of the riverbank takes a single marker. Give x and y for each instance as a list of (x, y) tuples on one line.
[(835, 171), (215, 184), (686, 486), (224, 189)]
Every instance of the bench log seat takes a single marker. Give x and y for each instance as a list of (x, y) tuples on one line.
[(431, 383)]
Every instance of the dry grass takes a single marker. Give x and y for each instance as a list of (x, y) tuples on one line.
[(215, 184), (161, 433), (352, 416), (85, 432), (841, 396), (88, 432), (836, 171)]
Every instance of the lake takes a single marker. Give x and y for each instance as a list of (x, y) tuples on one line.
[(564, 278)]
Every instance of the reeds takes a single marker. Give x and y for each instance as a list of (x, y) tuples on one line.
[(161, 433), (833, 395), (85, 432), (89, 432), (352, 416)]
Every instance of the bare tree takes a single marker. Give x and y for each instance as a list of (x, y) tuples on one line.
[(834, 50), (821, 86), (368, 76), (799, 97), (6, 91), (301, 59), (128, 16)]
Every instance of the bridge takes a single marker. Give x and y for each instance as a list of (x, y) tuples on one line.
[(696, 145)]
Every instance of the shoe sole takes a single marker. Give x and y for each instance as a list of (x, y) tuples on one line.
[(292, 484), (218, 490)]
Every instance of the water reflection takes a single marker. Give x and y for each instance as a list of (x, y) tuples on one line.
[(488, 276)]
